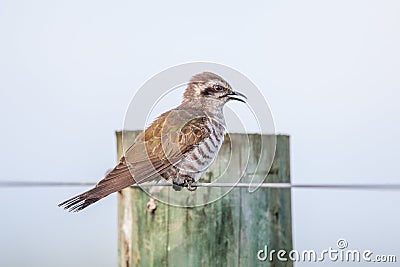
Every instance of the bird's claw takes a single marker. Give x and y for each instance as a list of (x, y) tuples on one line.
[(190, 184), (177, 186)]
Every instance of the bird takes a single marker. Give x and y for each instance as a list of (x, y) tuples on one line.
[(179, 146)]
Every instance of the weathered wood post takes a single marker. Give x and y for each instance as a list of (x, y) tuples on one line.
[(226, 232)]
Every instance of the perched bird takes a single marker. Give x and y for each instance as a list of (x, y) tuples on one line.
[(179, 146)]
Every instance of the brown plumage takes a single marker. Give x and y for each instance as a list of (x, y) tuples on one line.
[(178, 146)]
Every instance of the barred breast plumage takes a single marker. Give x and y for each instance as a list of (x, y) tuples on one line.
[(199, 159)]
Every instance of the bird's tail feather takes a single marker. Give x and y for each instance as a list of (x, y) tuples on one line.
[(79, 202), (117, 179)]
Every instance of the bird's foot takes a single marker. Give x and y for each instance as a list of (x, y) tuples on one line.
[(190, 184), (177, 187)]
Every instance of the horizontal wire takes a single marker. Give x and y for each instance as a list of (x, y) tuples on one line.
[(42, 184), (240, 185)]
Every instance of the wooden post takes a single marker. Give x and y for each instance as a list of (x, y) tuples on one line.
[(227, 232)]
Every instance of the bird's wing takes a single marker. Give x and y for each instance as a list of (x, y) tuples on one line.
[(166, 142), (163, 144)]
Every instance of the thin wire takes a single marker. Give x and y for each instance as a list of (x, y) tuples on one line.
[(42, 184), (240, 185)]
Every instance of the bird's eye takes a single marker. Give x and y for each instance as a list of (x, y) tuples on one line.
[(218, 87)]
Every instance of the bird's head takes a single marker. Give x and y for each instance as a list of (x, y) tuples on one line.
[(209, 87)]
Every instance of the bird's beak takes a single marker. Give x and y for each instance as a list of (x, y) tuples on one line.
[(234, 96)]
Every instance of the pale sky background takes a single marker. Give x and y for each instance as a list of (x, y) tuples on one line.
[(68, 69)]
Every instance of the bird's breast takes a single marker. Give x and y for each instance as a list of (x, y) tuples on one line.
[(200, 158)]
